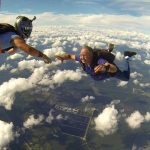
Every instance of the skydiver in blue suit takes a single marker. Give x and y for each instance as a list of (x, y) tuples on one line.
[(101, 66)]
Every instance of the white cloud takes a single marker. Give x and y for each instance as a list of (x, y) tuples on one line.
[(144, 85), (50, 117), (136, 82), (54, 51), (15, 56), (9, 88), (115, 102), (15, 70), (135, 75), (86, 35), (62, 76), (107, 121), (147, 62), (32, 121), (29, 57), (135, 119), (30, 64), (37, 75), (122, 83), (147, 117), (6, 134), (5, 67), (59, 117), (57, 43), (87, 98), (100, 45), (59, 77)]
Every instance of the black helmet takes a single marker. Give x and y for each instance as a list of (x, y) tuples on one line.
[(23, 26)]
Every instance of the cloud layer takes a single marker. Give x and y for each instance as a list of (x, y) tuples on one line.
[(54, 40), (6, 134), (59, 40), (127, 22)]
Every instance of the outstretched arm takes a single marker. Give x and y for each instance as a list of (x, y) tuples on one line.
[(66, 57), (20, 43)]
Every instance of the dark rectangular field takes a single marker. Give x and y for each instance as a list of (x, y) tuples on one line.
[(71, 123)]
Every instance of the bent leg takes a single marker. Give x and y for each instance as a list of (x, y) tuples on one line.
[(125, 74)]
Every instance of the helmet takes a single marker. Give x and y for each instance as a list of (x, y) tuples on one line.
[(23, 26)]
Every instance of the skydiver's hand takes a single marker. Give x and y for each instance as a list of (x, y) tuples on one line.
[(60, 58), (46, 59), (63, 57), (99, 69), (11, 51)]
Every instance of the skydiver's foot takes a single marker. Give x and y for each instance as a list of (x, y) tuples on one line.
[(129, 54), (110, 50), (110, 47)]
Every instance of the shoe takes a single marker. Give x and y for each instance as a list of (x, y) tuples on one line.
[(130, 54)]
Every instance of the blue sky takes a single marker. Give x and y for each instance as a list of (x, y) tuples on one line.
[(132, 7)]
